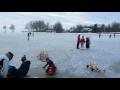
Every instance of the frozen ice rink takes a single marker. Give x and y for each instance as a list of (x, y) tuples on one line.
[(61, 47)]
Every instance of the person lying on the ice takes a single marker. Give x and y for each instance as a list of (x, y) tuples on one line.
[(22, 71), (93, 67), (50, 63)]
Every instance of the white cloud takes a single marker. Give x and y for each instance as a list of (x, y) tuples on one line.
[(66, 23), (25, 13), (68, 19)]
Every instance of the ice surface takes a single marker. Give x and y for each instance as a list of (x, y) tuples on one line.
[(61, 47)]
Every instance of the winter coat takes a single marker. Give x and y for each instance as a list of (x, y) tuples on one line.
[(50, 63), (21, 72), (87, 43), (4, 63), (78, 39), (24, 68), (83, 40)]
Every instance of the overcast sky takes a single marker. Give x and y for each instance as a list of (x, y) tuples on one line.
[(68, 19)]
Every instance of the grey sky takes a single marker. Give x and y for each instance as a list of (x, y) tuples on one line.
[(68, 19)]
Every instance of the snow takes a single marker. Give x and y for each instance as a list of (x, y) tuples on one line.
[(61, 47)]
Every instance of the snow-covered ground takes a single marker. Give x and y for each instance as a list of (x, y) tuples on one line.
[(61, 47)]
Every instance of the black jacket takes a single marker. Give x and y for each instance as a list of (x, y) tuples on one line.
[(21, 72), (50, 63), (24, 68)]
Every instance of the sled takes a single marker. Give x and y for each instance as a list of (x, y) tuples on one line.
[(94, 69), (42, 56), (49, 71)]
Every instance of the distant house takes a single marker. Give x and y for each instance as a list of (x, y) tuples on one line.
[(87, 30), (50, 30)]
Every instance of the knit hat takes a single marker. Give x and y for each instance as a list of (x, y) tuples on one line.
[(47, 59), (9, 55), (23, 58)]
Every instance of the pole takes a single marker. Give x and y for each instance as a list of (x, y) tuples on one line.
[(105, 23), (22, 25), (23, 28)]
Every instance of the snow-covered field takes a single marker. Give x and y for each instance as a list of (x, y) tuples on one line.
[(61, 47)]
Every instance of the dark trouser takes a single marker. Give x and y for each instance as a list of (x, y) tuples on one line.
[(77, 44), (13, 72), (87, 45)]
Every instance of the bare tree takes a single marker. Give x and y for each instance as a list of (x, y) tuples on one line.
[(5, 27), (58, 27), (12, 27), (79, 28), (108, 28), (102, 27), (38, 26), (115, 27), (27, 26), (47, 25)]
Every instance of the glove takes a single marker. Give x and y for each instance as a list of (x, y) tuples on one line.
[(43, 67)]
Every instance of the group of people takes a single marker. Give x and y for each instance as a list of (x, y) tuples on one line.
[(109, 35), (8, 71), (82, 41), (29, 34)]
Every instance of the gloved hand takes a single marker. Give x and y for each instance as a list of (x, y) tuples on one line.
[(43, 67)]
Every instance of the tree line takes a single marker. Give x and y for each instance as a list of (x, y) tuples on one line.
[(41, 26), (96, 28), (113, 27)]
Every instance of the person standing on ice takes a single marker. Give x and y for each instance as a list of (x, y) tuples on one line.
[(82, 42), (114, 35), (78, 41), (87, 43), (99, 35), (4, 64), (110, 36), (28, 35)]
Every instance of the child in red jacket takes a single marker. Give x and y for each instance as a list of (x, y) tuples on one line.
[(78, 41)]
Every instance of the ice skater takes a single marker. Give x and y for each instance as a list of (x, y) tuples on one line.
[(78, 41), (28, 35), (99, 35), (114, 35), (110, 36), (87, 43), (82, 42)]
